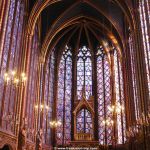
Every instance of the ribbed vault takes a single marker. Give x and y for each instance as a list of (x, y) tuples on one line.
[(102, 20)]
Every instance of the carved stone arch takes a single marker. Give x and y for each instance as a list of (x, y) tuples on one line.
[(101, 43), (94, 6), (74, 28), (7, 147), (117, 45), (83, 104), (105, 15), (7, 140), (72, 6), (38, 7), (52, 46), (87, 105), (50, 35), (127, 11)]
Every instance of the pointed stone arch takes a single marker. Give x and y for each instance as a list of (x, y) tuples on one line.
[(87, 105)]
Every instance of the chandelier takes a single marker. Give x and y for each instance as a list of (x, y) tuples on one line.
[(14, 78), (41, 107), (55, 124), (117, 108)]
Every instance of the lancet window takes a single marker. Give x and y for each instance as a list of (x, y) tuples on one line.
[(10, 51), (64, 98), (84, 122), (144, 10), (84, 72), (104, 97)]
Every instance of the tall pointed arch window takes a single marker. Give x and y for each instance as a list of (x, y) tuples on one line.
[(104, 97), (48, 97), (84, 72), (10, 52), (134, 81), (144, 10), (119, 91), (84, 122), (64, 98)]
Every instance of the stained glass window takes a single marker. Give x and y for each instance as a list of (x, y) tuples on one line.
[(10, 59), (144, 10), (9, 56), (84, 72), (134, 81), (84, 122), (104, 96), (48, 97), (121, 122), (64, 98)]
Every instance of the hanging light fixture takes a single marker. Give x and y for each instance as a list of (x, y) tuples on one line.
[(108, 122), (12, 78), (117, 108), (55, 124)]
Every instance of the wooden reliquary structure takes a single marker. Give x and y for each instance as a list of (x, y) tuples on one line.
[(84, 130)]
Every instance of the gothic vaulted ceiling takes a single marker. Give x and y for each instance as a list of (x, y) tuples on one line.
[(80, 22)]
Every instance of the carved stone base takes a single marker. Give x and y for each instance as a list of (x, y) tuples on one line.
[(46, 147), (92, 144), (30, 145), (7, 138)]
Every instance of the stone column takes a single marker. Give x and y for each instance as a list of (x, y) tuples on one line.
[(4, 12), (142, 82), (21, 127)]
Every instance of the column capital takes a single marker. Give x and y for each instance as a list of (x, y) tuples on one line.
[(111, 52), (28, 35), (41, 59)]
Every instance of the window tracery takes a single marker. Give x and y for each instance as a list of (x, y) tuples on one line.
[(48, 97), (10, 60), (63, 134), (104, 97), (10, 57), (84, 68), (119, 90), (144, 10), (84, 122), (134, 81), (84, 72)]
